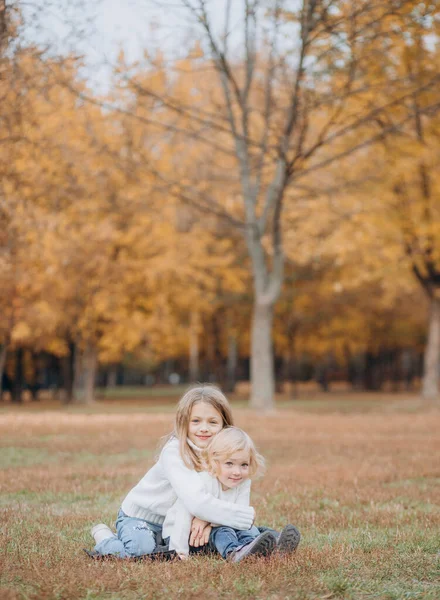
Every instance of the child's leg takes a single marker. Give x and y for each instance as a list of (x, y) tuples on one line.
[(247, 536), (111, 546), (136, 537), (224, 540), (263, 529)]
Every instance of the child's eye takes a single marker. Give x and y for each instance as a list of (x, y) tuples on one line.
[(245, 465), (195, 420), (228, 464)]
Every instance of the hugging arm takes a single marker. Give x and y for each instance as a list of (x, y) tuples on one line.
[(179, 536), (189, 488)]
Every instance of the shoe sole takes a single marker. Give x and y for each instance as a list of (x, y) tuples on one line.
[(289, 540), (265, 545)]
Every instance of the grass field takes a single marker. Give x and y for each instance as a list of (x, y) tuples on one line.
[(360, 477)]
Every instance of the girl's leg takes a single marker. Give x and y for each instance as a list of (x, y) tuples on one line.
[(110, 546), (263, 529), (247, 536), (224, 540), (137, 536)]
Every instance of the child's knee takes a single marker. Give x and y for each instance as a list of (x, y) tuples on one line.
[(142, 541)]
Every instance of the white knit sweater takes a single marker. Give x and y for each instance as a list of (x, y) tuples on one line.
[(170, 479), (177, 524)]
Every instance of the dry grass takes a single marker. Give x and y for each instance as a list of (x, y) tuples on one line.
[(359, 476)]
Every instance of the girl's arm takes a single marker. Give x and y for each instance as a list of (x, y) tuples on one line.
[(180, 532), (243, 497), (190, 490)]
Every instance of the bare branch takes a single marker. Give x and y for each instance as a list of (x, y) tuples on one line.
[(429, 110), (371, 116), (270, 71)]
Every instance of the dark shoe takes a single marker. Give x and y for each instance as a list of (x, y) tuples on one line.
[(160, 553), (289, 540), (93, 554), (263, 545)]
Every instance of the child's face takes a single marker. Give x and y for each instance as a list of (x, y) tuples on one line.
[(234, 469), (205, 422)]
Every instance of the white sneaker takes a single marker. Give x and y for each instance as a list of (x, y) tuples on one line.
[(101, 532)]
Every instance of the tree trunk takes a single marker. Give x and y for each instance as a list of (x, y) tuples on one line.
[(262, 367), (112, 375), (90, 359), (3, 28), (68, 373), (218, 362), (285, 371), (292, 366), (3, 352), (232, 363), (17, 384), (78, 374), (430, 387), (194, 372)]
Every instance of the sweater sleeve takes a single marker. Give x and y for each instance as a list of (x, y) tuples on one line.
[(179, 538), (189, 488)]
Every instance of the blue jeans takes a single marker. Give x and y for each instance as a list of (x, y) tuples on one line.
[(226, 539), (136, 537)]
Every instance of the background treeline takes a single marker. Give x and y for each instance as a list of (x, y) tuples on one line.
[(140, 231)]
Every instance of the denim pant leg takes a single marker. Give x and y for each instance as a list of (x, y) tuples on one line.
[(224, 540), (247, 536), (111, 546), (136, 537)]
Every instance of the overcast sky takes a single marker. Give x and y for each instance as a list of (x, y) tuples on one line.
[(99, 29)]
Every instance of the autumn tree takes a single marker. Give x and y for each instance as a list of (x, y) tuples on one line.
[(415, 201), (271, 112), (397, 208)]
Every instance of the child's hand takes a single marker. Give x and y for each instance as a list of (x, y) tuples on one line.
[(205, 536), (200, 531)]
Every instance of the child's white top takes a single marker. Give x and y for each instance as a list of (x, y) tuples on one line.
[(170, 479), (177, 524)]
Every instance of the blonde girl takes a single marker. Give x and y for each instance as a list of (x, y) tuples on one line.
[(202, 413), (231, 461)]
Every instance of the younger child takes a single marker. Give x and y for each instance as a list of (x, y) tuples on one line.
[(231, 460)]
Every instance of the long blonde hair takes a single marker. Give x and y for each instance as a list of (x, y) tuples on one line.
[(206, 393), (227, 442)]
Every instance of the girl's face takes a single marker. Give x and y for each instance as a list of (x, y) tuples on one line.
[(234, 469), (204, 422)]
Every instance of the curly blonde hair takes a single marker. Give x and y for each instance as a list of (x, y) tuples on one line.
[(227, 442)]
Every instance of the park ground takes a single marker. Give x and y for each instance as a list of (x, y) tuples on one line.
[(358, 474)]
